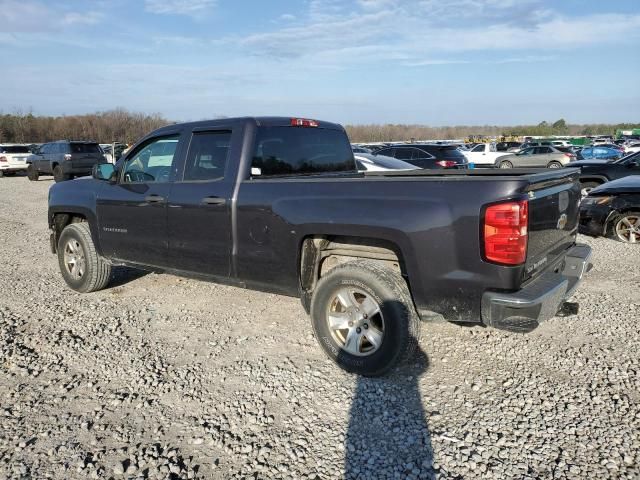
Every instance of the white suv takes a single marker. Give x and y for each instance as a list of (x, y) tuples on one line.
[(13, 158)]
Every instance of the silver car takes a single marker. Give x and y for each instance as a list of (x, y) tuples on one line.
[(543, 157)]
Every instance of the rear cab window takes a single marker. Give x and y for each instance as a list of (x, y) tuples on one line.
[(292, 150)]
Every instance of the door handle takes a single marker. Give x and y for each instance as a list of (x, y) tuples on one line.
[(154, 198), (214, 201)]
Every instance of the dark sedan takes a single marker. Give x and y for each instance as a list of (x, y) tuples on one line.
[(430, 156), (613, 210), (597, 172)]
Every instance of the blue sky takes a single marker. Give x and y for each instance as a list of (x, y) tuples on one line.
[(434, 62)]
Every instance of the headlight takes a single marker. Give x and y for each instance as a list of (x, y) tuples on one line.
[(597, 200)]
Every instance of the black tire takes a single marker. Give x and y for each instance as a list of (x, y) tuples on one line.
[(505, 164), (9, 174), (586, 187), (1, 173), (96, 272), (554, 164), (633, 218), (401, 324), (59, 175), (32, 173)]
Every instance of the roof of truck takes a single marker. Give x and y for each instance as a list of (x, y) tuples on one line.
[(260, 121)]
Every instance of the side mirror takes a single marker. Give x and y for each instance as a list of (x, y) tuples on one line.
[(104, 171)]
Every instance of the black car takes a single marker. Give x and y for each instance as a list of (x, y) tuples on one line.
[(613, 210), (596, 172), (430, 156), (64, 160)]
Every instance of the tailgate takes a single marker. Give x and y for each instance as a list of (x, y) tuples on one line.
[(553, 219), (17, 159)]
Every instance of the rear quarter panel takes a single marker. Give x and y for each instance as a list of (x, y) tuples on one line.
[(434, 223)]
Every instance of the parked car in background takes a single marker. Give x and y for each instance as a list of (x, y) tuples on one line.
[(13, 159), (64, 160), (430, 156), (613, 210), (596, 172), (560, 143), (632, 148), (367, 162), (484, 155), (545, 157), (600, 153), (507, 146), (601, 140)]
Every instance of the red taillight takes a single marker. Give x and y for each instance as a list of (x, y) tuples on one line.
[(446, 163), (505, 232), (303, 122), (570, 155), (3, 159)]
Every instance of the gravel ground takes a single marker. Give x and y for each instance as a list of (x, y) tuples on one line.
[(162, 377)]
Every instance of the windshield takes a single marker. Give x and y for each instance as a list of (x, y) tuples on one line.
[(635, 155), (388, 162)]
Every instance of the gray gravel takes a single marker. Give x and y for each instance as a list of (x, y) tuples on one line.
[(162, 377)]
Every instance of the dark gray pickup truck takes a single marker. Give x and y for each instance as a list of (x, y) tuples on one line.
[(277, 204)]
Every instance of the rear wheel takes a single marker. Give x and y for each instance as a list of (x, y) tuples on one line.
[(59, 175), (626, 227), (554, 165), (1, 173), (586, 187), (32, 173), (81, 267), (505, 164), (364, 319)]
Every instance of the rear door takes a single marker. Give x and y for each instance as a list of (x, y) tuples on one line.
[(199, 213), (132, 213), (42, 160)]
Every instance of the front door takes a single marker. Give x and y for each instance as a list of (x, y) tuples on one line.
[(199, 212), (132, 212)]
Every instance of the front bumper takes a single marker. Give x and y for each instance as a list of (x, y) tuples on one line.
[(13, 167), (593, 219), (541, 299)]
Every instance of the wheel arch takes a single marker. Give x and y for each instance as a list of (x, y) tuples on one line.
[(59, 218), (319, 254)]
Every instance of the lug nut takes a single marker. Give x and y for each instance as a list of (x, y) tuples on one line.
[(358, 330), (351, 324), (365, 326), (365, 315)]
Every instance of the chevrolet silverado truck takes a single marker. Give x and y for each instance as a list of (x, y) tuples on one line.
[(277, 204)]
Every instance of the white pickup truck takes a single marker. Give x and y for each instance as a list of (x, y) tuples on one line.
[(484, 155)]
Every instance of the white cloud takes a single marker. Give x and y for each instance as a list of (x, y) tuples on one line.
[(33, 16), (179, 7), (287, 17)]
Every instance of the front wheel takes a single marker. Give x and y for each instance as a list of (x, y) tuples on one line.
[(554, 165), (506, 164), (364, 319), (81, 267), (626, 227)]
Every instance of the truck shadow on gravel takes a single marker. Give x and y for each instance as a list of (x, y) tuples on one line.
[(122, 275), (388, 435)]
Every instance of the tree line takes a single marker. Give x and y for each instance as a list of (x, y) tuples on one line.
[(117, 125), (120, 125), (400, 132)]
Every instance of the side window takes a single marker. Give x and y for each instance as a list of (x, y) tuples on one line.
[(44, 149), (207, 157), (546, 150), (404, 153), (388, 152), (152, 162), (421, 154), (478, 148)]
